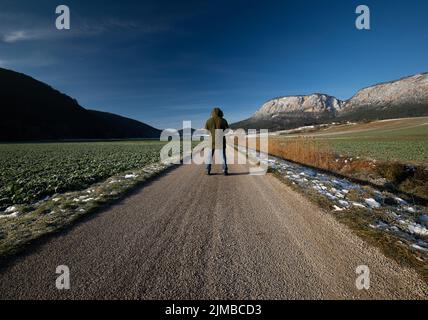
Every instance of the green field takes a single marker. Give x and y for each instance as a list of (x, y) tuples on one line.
[(402, 151), (404, 140), (30, 172)]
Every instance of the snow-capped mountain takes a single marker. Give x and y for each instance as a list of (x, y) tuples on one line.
[(314, 103), (407, 97)]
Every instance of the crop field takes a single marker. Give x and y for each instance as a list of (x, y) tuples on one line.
[(403, 140), (30, 172), (402, 151), (378, 152)]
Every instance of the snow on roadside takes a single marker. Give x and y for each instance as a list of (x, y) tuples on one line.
[(372, 203), (84, 199), (406, 221)]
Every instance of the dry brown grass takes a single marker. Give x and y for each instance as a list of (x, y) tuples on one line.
[(309, 151), (304, 150), (315, 153)]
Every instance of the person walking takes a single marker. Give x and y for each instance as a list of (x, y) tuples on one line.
[(217, 122)]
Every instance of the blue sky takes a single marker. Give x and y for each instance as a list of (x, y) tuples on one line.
[(162, 62)]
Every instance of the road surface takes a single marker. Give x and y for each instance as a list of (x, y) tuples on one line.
[(185, 235)]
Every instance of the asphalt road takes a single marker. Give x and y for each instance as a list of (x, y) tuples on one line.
[(190, 236)]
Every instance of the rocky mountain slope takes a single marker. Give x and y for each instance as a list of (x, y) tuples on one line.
[(32, 110), (407, 97), (315, 103), (292, 112)]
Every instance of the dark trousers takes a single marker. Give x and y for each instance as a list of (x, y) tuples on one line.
[(212, 156)]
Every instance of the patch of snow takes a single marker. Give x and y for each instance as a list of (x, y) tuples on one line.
[(380, 225), (410, 209), (394, 215), (400, 201), (131, 176), (344, 203), (12, 215), (415, 228), (401, 215), (330, 196), (417, 247), (372, 203), (11, 209)]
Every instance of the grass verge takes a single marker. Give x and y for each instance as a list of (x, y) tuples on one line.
[(410, 179), (358, 220), (29, 222)]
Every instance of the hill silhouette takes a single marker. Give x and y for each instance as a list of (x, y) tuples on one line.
[(32, 110)]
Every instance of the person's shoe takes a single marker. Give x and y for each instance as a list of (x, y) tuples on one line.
[(208, 172), (225, 172)]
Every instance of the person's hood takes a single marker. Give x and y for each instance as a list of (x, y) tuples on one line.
[(217, 113)]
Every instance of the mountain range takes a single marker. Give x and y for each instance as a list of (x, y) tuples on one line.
[(31, 110), (407, 97)]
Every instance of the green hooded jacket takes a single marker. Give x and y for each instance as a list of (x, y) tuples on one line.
[(216, 122)]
